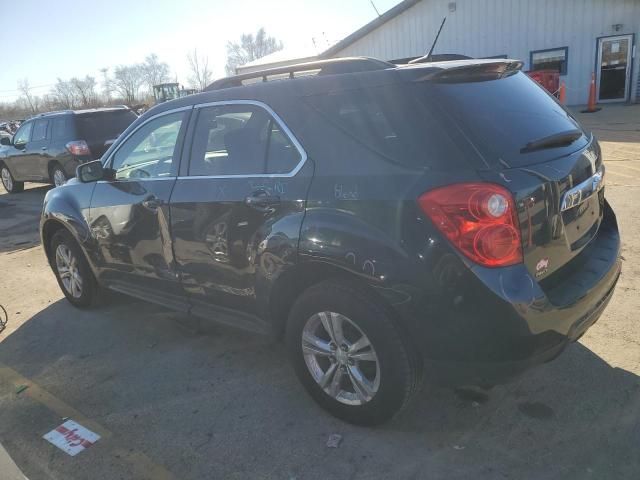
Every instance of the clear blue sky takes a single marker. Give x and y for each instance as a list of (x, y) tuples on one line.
[(44, 40)]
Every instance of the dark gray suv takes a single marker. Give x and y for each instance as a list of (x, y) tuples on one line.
[(48, 148), (444, 221)]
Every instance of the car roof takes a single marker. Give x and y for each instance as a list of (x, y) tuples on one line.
[(287, 84), (80, 112)]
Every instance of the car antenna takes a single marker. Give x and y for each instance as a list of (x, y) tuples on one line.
[(427, 57)]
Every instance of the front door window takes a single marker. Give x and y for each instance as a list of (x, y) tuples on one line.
[(151, 151)]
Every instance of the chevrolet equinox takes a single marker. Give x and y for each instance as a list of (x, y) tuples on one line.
[(440, 220)]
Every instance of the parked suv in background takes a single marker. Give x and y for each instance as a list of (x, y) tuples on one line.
[(49, 147), (387, 220)]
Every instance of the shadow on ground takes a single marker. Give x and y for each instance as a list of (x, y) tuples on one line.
[(213, 403), (20, 218)]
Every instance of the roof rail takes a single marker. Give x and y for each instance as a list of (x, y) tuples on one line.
[(53, 112), (321, 67)]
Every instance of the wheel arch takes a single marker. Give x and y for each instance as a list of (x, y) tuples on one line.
[(292, 283), (49, 228), (50, 166)]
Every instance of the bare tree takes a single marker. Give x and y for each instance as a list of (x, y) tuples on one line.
[(64, 94), (155, 71), (85, 90), (25, 89), (127, 80), (201, 76), (250, 48)]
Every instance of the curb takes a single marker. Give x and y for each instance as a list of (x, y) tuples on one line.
[(9, 469)]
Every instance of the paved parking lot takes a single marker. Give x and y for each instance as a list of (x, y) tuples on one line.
[(174, 398)]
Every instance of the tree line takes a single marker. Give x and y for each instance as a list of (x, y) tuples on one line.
[(133, 84)]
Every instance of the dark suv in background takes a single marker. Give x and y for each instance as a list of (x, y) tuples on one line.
[(446, 218), (48, 147)]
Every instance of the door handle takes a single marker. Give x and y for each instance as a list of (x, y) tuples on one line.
[(44, 148), (262, 201), (152, 203)]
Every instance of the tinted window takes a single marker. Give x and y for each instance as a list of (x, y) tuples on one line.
[(389, 121), (240, 140), (39, 130), (22, 135), (151, 151), (61, 128), (502, 116), (97, 127)]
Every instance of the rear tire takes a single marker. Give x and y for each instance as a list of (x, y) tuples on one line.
[(72, 270), (58, 177), (8, 182), (375, 381)]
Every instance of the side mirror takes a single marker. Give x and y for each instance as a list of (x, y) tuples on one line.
[(5, 141), (90, 172)]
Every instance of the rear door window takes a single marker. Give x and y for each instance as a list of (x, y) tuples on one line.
[(39, 130), (240, 140)]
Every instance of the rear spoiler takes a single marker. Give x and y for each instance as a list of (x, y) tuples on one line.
[(470, 71)]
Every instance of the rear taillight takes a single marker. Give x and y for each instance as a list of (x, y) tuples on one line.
[(78, 147), (479, 219)]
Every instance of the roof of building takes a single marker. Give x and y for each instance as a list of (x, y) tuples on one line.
[(368, 28)]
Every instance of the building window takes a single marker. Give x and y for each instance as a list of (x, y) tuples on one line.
[(550, 59)]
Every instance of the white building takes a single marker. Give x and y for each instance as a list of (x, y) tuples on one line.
[(577, 37)]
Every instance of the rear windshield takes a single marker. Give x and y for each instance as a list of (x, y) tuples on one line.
[(387, 120), (102, 126), (502, 117)]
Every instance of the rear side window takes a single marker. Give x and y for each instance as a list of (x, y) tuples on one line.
[(97, 127), (61, 128), (389, 121), (39, 130), (240, 140)]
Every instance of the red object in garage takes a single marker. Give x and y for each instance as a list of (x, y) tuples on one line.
[(549, 79)]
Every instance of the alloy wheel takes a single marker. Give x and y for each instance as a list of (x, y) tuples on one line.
[(67, 266), (7, 181), (58, 178), (340, 358)]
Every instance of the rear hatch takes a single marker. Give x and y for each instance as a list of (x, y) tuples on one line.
[(533, 147), (100, 128)]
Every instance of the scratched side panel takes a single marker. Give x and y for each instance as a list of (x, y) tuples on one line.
[(228, 253)]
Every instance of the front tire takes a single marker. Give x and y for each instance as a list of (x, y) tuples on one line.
[(8, 182), (349, 355), (72, 270)]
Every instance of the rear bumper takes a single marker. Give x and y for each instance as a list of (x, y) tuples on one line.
[(487, 325), (547, 346)]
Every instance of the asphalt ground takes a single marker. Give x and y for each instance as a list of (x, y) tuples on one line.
[(177, 398)]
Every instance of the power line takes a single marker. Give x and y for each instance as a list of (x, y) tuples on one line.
[(30, 87)]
